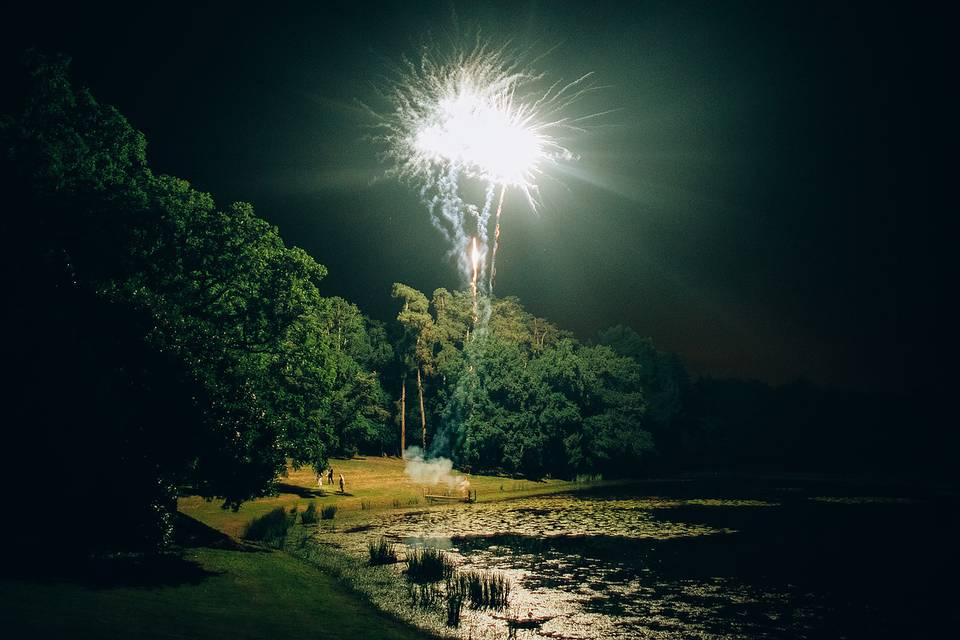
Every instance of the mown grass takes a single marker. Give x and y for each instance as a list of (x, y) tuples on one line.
[(376, 483), (263, 594), (245, 595)]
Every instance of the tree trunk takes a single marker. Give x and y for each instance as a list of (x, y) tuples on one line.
[(403, 414), (423, 417)]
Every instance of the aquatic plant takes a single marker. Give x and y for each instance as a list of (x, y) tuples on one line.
[(270, 528), (424, 595), (381, 552), (310, 515), (425, 564), (482, 589), (328, 512), (454, 605)]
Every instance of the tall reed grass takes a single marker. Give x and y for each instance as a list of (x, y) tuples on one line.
[(425, 564)]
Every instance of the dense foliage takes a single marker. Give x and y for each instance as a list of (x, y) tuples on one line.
[(156, 340), (156, 344), (518, 394)]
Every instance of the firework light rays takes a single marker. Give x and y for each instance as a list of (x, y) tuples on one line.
[(479, 116)]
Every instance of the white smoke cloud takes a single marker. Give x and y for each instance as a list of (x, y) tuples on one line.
[(433, 471)]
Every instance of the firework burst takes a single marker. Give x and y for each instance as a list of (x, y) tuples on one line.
[(481, 116)]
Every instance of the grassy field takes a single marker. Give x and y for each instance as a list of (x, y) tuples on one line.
[(242, 595), (372, 484), (222, 591)]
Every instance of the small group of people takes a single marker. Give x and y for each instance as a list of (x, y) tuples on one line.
[(329, 479)]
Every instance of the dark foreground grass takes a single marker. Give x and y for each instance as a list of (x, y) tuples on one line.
[(244, 595)]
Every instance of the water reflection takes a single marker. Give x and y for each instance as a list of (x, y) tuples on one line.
[(564, 515), (778, 564)]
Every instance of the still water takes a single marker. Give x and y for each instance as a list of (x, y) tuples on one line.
[(708, 559)]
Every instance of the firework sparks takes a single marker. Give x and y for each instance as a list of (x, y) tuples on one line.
[(476, 259), (476, 115), (496, 239)]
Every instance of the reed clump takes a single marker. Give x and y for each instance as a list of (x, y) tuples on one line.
[(270, 528), (310, 515), (480, 589), (381, 552), (425, 564)]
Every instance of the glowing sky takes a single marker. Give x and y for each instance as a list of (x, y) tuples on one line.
[(760, 203)]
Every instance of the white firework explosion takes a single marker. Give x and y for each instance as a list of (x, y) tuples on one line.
[(474, 115)]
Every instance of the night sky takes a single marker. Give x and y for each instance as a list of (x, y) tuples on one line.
[(761, 202)]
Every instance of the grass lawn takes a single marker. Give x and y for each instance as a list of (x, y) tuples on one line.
[(222, 592), (372, 484), (248, 595)]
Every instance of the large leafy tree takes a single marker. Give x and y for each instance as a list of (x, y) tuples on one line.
[(665, 383), (615, 431), (358, 414), (452, 319), (417, 349), (523, 396), (155, 340)]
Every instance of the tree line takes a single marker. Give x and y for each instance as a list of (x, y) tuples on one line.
[(157, 344), (516, 394)]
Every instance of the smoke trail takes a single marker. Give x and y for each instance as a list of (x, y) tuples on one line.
[(475, 259), (464, 393), (496, 241), (483, 220), (474, 114), (449, 213), (433, 471)]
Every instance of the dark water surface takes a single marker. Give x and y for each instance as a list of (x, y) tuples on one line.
[(713, 559)]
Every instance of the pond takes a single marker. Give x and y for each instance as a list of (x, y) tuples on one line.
[(705, 559)]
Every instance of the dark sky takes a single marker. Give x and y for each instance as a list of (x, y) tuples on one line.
[(761, 202)]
